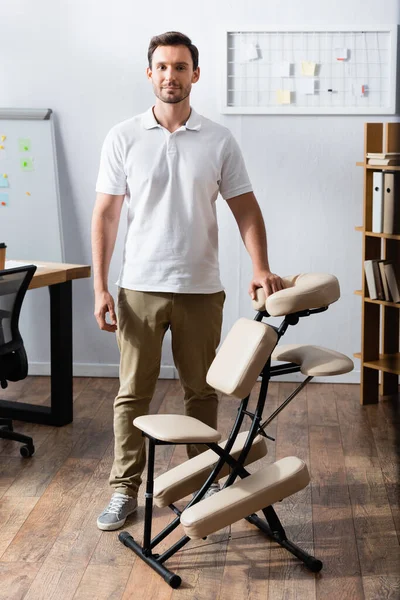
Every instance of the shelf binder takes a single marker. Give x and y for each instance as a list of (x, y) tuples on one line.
[(377, 202), (390, 210)]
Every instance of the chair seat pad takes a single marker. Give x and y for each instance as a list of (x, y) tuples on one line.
[(263, 488), (177, 429), (302, 292), (314, 361)]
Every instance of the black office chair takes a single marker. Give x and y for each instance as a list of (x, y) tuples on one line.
[(13, 359)]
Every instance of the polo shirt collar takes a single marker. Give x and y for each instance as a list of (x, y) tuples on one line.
[(193, 123)]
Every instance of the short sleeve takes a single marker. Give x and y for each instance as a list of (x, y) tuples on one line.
[(111, 178), (234, 176)]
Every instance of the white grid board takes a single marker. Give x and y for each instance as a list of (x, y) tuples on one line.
[(264, 71)]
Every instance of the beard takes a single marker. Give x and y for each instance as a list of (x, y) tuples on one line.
[(179, 95)]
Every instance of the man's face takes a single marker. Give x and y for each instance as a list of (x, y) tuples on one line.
[(172, 73)]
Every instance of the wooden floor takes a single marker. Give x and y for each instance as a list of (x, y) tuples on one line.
[(349, 516)]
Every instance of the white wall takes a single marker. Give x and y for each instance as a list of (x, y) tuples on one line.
[(86, 60)]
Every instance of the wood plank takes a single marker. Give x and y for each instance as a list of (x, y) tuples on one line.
[(12, 517), (55, 579), (246, 570), (105, 580), (392, 131), (372, 515), (334, 536), (16, 579), (357, 440), (373, 137), (288, 577), (47, 518), (38, 471), (10, 469), (385, 419), (378, 546), (320, 407), (62, 570)]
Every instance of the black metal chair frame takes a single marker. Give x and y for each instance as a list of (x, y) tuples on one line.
[(15, 345), (271, 525)]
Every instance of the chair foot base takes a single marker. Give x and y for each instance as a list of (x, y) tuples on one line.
[(172, 579), (312, 563)]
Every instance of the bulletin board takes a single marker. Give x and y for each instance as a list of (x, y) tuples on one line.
[(314, 71), (30, 218)]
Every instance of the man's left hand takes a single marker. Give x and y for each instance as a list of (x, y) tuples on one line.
[(270, 282)]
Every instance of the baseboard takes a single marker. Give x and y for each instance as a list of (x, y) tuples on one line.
[(169, 372)]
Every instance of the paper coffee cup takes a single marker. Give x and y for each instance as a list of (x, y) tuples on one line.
[(2, 255)]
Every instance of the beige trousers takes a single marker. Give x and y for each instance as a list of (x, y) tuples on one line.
[(143, 318)]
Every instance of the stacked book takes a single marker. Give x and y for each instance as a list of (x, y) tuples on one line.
[(381, 159), (385, 202), (382, 280)]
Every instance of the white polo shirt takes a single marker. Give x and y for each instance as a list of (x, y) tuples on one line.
[(171, 182)]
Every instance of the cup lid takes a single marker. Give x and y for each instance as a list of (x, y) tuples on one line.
[(3, 245)]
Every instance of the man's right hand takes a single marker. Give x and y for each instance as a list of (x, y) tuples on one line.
[(103, 304)]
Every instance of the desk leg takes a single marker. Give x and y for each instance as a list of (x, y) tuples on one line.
[(60, 411), (61, 353)]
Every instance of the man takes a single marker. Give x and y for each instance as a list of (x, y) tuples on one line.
[(169, 163)]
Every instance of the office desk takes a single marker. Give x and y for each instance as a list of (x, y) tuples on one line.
[(58, 278)]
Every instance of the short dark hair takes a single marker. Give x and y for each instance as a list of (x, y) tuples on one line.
[(173, 38)]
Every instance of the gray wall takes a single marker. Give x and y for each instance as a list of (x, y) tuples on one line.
[(88, 64)]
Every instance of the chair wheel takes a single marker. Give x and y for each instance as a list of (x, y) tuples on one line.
[(27, 451)]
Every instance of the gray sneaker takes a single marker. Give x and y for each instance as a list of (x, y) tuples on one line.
[(114, 516), (213, 489)]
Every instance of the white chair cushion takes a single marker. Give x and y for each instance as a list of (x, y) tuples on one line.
[(302, 292), (242, 357), (261, 489), (314, 361), (176, 429)]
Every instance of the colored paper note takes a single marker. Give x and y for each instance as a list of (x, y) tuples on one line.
[(24, 144), (341, 53), (281, 69), (4, 201), (248, 51), (1, 147), (28, 193), (306, 86), (4, 181), (308, 68), (283, 96), (3, 138), (27, 164)]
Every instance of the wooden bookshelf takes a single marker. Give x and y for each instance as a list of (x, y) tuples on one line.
[(379, 319)]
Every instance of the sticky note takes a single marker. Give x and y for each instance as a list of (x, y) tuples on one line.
[(1, 147), (283, 96), (3, 138), (308, 68), (248, 51), (4, 199), (24, 144), (27, 164), (28, 193), (4, 181), (341, 53), (281, 69), (306, 86)]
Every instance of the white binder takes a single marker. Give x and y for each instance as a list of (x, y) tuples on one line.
[(377, 202), (389, 212)]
